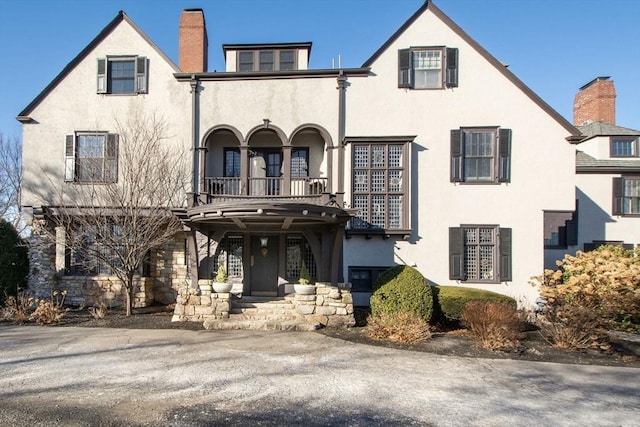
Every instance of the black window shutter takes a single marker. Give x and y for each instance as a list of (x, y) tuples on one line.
[(456, 253), (618, 193), (102, 75), (505, 255), (504, 155), (456, 155), (589, 247), (404, 68), (69, 158), (452, 67), (141, 74), (111, 158)]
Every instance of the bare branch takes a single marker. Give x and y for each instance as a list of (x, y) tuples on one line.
[(10, 179)]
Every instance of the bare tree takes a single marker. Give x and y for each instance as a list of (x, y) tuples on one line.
[(112, 227), (10, 179)]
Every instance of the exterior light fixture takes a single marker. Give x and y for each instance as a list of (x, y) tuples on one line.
[(323, 214), (333, 216), (260, 211), (264, 241), (305, 212)]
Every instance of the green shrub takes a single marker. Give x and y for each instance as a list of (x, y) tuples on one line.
[(14, 262), (450, 300), (402, 289)]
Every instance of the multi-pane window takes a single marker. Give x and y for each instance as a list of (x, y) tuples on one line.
[(560, 229), (299, 162), (481, 155), (266, 60), (231, 162), (626, 196), (91, 157), (428, 68), (287, 60), (122, 75), (94, 252), (379, 186), (480, 253), (229, 254), (245, 61), (299, 251), (624, 147)]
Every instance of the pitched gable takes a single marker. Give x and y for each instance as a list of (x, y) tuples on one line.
[(106, 31)]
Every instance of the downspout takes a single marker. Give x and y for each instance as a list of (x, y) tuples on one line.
[(342, 89), (195, 133)]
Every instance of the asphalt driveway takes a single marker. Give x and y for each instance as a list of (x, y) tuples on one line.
[(119, 377)]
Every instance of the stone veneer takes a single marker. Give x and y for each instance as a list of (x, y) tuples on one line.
[(168, 274), (331, 306)]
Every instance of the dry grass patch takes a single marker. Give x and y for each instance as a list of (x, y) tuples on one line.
[(496, 325), (399, 327)]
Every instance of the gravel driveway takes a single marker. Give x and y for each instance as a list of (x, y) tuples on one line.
[(119, 377)]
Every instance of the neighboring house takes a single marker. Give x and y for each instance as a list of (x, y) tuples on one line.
[(431, 154)]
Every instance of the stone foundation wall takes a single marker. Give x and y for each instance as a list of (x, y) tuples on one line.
[(198, 305), (331, 306), (168, 273)]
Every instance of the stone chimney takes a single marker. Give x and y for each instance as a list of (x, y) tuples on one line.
[(193, 42), (595, 102)]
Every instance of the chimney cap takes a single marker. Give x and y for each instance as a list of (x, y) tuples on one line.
[(195, 9), (597, 79)]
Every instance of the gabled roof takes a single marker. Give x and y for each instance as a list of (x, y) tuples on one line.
[(483, 52), (121, 16), (587, 163), (595, 129)]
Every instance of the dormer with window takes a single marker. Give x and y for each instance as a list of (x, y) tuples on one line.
[(267, 57)]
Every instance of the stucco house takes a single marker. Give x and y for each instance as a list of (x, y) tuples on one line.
[(431, 154), (607, 179)]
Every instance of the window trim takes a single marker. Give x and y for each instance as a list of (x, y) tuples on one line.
[(140, 74), (372, 270), (618, 195), (634, 140), (501, 155), (449, 66), (110, 158), (502, 254), (256, 64), (404, 191)]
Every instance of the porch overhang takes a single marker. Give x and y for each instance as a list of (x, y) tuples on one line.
[(270, 216)]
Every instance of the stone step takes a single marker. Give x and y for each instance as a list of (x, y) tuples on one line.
[(264, 316), (260, 325), (262, 306)]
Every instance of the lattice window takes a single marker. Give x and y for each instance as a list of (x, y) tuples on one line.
[(298, 249), (378, 186), (229, 254), (480, 253)]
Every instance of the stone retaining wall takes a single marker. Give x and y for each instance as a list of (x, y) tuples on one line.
[(331, 306)]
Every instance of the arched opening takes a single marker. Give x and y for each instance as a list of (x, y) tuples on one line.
[(265, 151), (222, 163)]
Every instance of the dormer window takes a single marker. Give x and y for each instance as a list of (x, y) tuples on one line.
[(267, 60), (624, 146)]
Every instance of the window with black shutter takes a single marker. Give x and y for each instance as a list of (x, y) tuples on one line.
[(122, 75), (480, 254), (480, 155), (91, 157), (428, 68), (626, 195)]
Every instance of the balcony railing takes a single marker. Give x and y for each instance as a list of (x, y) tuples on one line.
[(224, 188)]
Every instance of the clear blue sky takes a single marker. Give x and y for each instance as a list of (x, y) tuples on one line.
[(554, 46)]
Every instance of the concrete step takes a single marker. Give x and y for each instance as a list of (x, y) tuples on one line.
[(260, 325)]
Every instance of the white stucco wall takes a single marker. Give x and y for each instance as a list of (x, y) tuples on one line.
[(73, 105), (542, 162)]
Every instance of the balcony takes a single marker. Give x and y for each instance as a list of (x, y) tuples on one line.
[(313, 190)]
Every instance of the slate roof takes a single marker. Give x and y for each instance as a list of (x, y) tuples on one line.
[(587, 163), (602, 129)]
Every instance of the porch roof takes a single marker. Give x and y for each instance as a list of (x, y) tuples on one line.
[(264, 215)]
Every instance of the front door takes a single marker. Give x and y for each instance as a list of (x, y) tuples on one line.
[(264, 265)]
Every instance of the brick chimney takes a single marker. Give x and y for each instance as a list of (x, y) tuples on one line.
[(595, 102), (193, 41)]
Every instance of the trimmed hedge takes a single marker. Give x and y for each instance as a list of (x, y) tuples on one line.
[(402, 289), (450, 300)]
